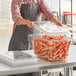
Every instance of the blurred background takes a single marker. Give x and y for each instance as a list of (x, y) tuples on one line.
[(61, 8)]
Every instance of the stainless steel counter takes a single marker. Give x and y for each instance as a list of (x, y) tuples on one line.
[(41, 65)]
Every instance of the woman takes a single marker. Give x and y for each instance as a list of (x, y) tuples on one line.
[(24, 12)]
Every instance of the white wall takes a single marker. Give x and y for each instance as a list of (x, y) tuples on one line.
[(65, 5), (53, 4), (74, 6), (5, 12), (5, 24)]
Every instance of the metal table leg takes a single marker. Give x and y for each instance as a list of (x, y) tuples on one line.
[(68, 71)]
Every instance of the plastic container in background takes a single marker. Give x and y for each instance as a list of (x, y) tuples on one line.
[(66, 19), (51, 47)]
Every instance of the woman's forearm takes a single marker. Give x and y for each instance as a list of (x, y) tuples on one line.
[(22, 21), (55, 20)]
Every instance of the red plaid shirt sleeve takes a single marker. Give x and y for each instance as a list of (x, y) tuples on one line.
[(45, 10), (15, 10)]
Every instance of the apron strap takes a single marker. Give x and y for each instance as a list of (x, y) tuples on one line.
[(22, 1)]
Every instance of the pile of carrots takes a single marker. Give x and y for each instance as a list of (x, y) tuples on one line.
[(52, 47)]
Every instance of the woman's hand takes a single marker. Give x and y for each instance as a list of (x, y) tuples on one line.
[(22, 21), (30, 24), (69, 28), (56, 21)]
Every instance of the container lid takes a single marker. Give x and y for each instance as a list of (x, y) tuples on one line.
[(50, 28)]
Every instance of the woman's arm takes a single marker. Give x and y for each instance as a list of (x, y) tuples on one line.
[(16, 15), (15, 10), (48, 14), (55, 20)]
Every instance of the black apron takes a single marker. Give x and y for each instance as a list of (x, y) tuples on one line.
[(19, 39)]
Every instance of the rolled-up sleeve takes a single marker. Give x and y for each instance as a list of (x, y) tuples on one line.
[(15, 10), (45, 10)]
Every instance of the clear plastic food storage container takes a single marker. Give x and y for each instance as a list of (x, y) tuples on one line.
[(51, 47)]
